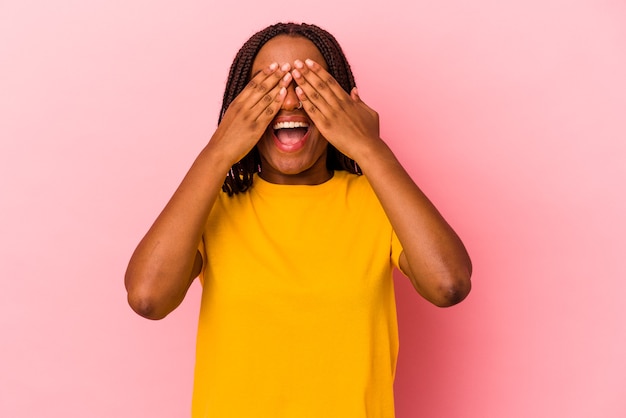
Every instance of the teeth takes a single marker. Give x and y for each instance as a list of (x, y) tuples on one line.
[(288, 125)]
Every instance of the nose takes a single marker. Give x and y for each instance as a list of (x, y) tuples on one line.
[(291, 100)]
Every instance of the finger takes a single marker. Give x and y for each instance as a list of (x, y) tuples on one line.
[(354, 94), (313, 103), (322, 90), (261, 96), (269, 105), (322, 79), (311, 108), (356, 98), (263, 82), (314, 88)]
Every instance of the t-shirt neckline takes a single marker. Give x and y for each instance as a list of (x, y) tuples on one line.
[(262, 186)]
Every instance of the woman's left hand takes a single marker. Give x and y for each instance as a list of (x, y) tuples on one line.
[(433, 256), (343, 119)]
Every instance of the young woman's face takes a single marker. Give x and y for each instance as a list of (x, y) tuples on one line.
[(291, 155)]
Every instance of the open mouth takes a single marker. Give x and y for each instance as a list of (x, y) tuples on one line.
[(290, 136)]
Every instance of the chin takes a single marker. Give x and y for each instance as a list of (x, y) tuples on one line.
[(291, 168)]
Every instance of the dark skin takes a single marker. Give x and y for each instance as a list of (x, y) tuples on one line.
[(289, 70)]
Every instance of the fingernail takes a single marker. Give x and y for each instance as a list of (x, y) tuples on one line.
[(299, 90), (282, 91), (296, 74), (273, 66), (298, 64), (285, 67), (309, 62), (287, 77)]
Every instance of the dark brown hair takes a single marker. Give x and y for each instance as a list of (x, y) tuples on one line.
[(239, 179)]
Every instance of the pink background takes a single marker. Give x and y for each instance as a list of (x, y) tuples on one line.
[(510, 115)]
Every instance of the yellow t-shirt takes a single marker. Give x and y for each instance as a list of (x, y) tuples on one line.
[(298, 314)]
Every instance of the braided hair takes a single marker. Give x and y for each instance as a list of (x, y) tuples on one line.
[(239, 179)]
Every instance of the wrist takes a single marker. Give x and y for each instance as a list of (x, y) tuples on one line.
[(217, 157), (372, 152)]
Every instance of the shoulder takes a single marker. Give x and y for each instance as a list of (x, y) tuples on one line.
[(226, 205), (359, 195), (352, 181), (356, 185)]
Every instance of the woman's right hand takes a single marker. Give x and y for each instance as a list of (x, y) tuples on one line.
[(249, 115), (167, 259)]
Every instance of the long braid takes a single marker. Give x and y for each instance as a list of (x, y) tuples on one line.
[(240, 177)]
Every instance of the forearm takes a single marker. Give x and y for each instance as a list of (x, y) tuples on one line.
[(164, 264), (434, 258), (165, 261)]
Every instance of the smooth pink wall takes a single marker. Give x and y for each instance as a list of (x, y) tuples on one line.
[(510, 115)]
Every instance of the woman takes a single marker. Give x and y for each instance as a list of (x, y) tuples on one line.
[(294, 247)]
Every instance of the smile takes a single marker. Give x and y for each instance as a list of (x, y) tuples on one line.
[(290, 136)]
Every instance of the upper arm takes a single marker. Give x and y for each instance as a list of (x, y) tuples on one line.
[(197, 266), (403, 265), (441, 290)]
